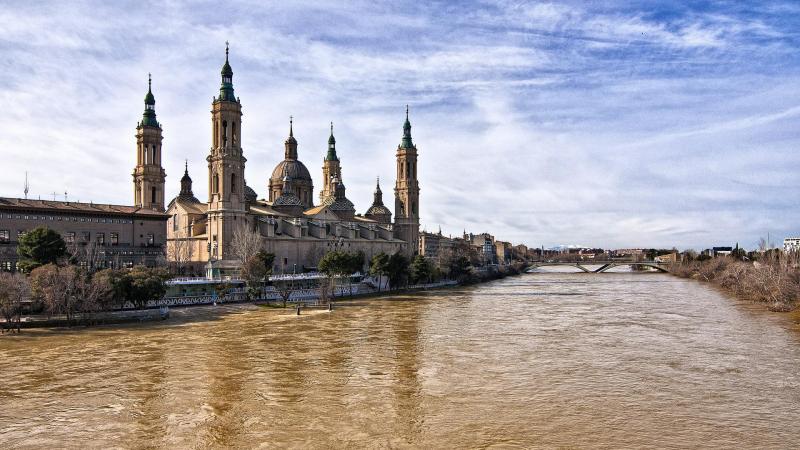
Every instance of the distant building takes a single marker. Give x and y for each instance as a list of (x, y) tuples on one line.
[(721, 251), (502, 252), (484, 243), (791, 244)]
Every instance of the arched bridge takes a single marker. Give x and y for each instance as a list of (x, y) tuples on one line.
[(603, 265)]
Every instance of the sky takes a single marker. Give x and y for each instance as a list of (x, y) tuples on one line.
[(606, 124)]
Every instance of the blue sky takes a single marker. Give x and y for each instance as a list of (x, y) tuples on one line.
[(609, 124)]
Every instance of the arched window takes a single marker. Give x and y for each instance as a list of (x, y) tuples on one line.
[(233, 133), (224, 133), (153, 194), (215, 184), (408, 170), (216, 132), (155, 160), (233, 183)]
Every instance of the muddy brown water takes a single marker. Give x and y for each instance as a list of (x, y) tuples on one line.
[(544, 360)]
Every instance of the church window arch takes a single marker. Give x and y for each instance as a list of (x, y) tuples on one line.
[(215, 184), (233, 132), (224, 133), (233, 183), (153, 194)]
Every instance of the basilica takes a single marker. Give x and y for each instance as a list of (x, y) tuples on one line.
[(202, 234)]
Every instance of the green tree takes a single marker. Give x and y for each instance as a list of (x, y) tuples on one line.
[(40, 246), (397, 270), (378, 266), (140, 285), (421, 270), (256, 270)]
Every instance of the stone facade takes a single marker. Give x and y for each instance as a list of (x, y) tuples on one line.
[(118, 236)]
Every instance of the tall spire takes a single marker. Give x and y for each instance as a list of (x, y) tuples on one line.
[(149, 116), (291, 143), (331, 156), (186, 182), (406, 142), (378, 198), (226, 89)]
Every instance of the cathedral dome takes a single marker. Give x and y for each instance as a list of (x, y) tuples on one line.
[(294, 169), (375, 210), (250, 195)]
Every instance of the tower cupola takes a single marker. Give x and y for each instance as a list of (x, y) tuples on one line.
[(406, 142), (226, 88), (149, 116), (331, 156)]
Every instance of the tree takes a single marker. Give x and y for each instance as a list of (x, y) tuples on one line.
[(246, 242), (377, 267), (14, 290), (180, 251), (55, 286), (39, 247), (257, 269), (397, 270), (421, 270), (143, 284)]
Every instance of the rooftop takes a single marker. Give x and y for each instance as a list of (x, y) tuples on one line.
[(76, 207)]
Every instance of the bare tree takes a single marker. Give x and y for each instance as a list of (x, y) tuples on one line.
[(245, 244), (14, 291), (88, 255), (180, 251)]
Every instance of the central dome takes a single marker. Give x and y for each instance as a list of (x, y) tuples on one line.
[(294, 169)]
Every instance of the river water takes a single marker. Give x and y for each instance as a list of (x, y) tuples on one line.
[(541, 360)]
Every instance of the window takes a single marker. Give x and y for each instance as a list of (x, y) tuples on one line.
[(153, 194), (224, 133), (86, 236), (175, 222), (114, 238), (20, 233), (101, 238), (233, 183), (70, 237), (5, 236), (215, 184), (151, 239)]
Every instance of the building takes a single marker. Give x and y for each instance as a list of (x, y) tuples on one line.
[(98, 235), (484, 244), (101, 235), (503, 251), (287, 223), (791, 244)]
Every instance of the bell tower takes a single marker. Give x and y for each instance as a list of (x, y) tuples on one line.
[(226, 201), (406, 192), (148, 175), (330, 170)]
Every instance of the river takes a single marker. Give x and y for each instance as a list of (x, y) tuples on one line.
[(540, 360)]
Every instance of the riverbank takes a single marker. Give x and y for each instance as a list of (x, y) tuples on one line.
[(774, 282)]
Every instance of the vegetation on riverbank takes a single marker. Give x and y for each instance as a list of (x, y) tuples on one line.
[(773, 279)]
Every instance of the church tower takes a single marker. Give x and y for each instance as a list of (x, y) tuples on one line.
[(406, 192), (226, 198), (330, 170), (148, 175)]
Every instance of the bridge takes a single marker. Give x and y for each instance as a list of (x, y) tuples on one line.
[(604, 266)]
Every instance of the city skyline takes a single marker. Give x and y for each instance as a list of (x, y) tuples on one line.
[(543, 124)]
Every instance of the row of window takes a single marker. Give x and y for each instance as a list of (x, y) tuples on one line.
[(71, 237), (66, 219)]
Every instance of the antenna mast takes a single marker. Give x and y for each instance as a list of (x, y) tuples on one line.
[(27, 187)]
